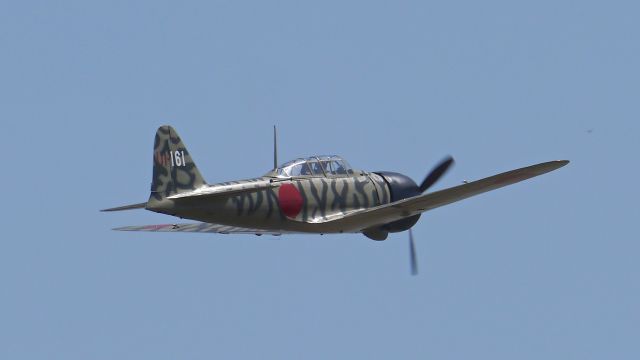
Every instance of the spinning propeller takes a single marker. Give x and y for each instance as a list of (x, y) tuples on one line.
[(433, 176)]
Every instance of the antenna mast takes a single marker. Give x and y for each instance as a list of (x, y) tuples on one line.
[(275, 148)]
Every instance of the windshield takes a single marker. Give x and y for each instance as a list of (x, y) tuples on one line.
[(335, 166)]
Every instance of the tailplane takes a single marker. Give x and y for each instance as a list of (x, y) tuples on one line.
[(127, 207)]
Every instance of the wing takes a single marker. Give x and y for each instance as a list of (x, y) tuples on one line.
[(202, 228), (415, 205)]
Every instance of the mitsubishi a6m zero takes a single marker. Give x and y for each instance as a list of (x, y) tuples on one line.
[(317, 194)]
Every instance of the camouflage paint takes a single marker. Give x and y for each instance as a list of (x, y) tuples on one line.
[(268, 202)]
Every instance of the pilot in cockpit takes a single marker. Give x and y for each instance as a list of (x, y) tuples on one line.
[(305, 170), (315, 166)]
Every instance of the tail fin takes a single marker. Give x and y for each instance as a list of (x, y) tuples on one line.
[(173, 168)]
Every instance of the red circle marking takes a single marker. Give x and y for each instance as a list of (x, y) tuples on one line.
[(290, 200)]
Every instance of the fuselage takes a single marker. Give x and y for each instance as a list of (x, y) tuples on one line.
[(299, 203)]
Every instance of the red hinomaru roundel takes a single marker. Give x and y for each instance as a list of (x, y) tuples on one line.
[(290, 200)]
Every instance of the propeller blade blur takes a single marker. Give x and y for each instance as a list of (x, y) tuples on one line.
[(436, 173), (412, 253)]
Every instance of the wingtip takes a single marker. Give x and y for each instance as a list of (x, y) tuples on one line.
[(555, 164), (551, 165)]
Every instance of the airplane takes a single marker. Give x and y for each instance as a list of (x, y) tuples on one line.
[(315, 194)]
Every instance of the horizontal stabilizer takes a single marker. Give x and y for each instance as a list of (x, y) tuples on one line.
[(127, 207)]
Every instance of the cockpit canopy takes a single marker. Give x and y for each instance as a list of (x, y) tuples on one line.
[(314, 166)]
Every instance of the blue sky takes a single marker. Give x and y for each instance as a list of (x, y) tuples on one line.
[(544, 269)]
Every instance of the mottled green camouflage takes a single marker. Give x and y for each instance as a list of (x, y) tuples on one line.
[(323, 197), (173, 168)]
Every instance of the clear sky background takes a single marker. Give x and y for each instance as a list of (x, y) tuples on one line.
[(545, 269)]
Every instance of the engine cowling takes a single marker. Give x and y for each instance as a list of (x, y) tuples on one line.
[(400, 187)]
